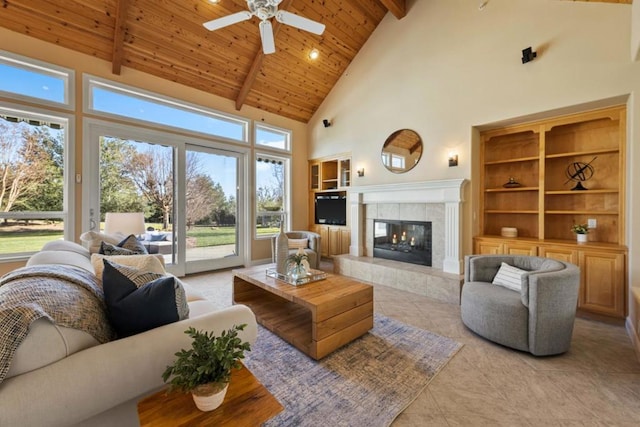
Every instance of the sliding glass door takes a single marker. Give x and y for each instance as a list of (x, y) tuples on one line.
[(211, 209), (189, 194)]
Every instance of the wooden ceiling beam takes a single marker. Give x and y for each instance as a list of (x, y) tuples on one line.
[(397, 7), (118, 35), (257, 62)]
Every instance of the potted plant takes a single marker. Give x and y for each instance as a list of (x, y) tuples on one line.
[(205, 369), (298, 264), (581, 231)]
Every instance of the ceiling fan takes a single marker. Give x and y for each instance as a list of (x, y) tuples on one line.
[(265, 10)]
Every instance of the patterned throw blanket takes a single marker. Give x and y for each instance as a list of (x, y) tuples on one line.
[(67, 296)]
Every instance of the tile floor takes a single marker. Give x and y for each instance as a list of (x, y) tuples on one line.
[(596, 383)]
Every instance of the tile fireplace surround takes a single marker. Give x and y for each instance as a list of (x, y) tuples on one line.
[(437, 201)]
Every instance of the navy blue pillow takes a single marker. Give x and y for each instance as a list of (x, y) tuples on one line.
[(132, 309)]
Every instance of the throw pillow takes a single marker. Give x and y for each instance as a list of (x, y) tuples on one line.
[(151, 263), (509, 276), (129, 246), (139, 300), (92, 239), (298, 243)]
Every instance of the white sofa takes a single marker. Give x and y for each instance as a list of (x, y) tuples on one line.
[(64, 377)]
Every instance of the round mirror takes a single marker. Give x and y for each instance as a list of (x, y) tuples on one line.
[(402, 151)]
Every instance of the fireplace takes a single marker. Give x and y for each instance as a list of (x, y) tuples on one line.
[(406, 241)]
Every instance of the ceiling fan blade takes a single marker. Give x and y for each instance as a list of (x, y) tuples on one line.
[(225, 21), (266, 34), (300, 22)]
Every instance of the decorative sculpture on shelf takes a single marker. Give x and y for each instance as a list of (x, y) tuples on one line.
[(579, 172), (512, 183)]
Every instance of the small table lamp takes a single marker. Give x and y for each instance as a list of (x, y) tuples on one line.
[(124, 222)]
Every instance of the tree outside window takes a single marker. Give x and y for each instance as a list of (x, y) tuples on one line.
[(271, 203)]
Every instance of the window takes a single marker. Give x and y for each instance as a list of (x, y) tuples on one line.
[(271, 193), (271, 137), (393, 161), (33, 166), (24, 78), (136, 104)]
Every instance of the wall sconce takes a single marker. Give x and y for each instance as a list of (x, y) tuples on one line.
[(360, 172), (453, 159), (326, 123)]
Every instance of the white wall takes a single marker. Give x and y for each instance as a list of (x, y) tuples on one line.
[(448, 68)]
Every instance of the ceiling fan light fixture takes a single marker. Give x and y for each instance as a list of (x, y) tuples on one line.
[(314, 54)]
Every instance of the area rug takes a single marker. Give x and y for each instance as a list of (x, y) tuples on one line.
[(366, 383)]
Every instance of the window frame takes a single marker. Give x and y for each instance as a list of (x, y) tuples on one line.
[(89, 82), (275, 129), (33, 65), (285, 214), (68, 194)]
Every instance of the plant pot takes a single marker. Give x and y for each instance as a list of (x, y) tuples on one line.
[(582, 238), (208, 397)]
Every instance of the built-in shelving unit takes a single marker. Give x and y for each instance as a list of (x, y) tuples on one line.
[(543, 208), (330, 174)]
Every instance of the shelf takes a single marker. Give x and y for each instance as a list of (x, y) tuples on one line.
[(581, 212), (508, 190), (582, 153), (582, 193), (521, 159), (495, 211)]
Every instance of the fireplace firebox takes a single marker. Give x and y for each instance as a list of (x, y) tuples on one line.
[(406, 241)]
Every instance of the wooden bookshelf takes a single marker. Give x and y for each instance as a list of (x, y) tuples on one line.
[(545, 206)]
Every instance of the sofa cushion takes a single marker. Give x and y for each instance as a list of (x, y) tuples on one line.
[(136, 304), (129, 246), (61, 257), (47, 343)]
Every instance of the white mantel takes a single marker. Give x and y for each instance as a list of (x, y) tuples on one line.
[(449, 192)]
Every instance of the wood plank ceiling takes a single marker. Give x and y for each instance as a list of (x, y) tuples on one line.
[(166, 38)]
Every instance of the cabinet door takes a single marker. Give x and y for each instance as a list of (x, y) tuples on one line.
[(602, 282), (334, 241), (345, 240), (488, 248), (314, 178), (324, 240), (561, 254), (520, 249)]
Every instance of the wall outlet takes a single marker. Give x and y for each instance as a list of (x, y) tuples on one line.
[(592, 223)]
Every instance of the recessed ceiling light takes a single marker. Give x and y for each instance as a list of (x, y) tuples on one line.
[(214, 1), (314, 54)]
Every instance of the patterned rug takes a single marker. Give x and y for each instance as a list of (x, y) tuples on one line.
[(366, 383)]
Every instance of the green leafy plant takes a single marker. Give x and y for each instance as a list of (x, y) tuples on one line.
[(209, 360), (580, 228)]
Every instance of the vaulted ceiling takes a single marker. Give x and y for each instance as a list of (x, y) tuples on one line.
[(166, 38)]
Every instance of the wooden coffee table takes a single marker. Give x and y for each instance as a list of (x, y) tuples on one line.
[(316, 318), (247, 403)]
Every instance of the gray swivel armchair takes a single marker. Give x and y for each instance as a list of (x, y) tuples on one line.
[(539, 318), (312, 248)]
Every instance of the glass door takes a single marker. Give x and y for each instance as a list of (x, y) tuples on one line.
[(190, 195), (212, 215)]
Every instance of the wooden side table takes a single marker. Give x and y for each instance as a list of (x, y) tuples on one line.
[(247, 403)]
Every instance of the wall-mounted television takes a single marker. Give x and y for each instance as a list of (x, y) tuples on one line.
[(331, 208)]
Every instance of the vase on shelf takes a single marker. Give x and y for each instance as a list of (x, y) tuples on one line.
[(582, 238), (282, 250)]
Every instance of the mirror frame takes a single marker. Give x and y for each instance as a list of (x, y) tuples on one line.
[(415, 146)]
